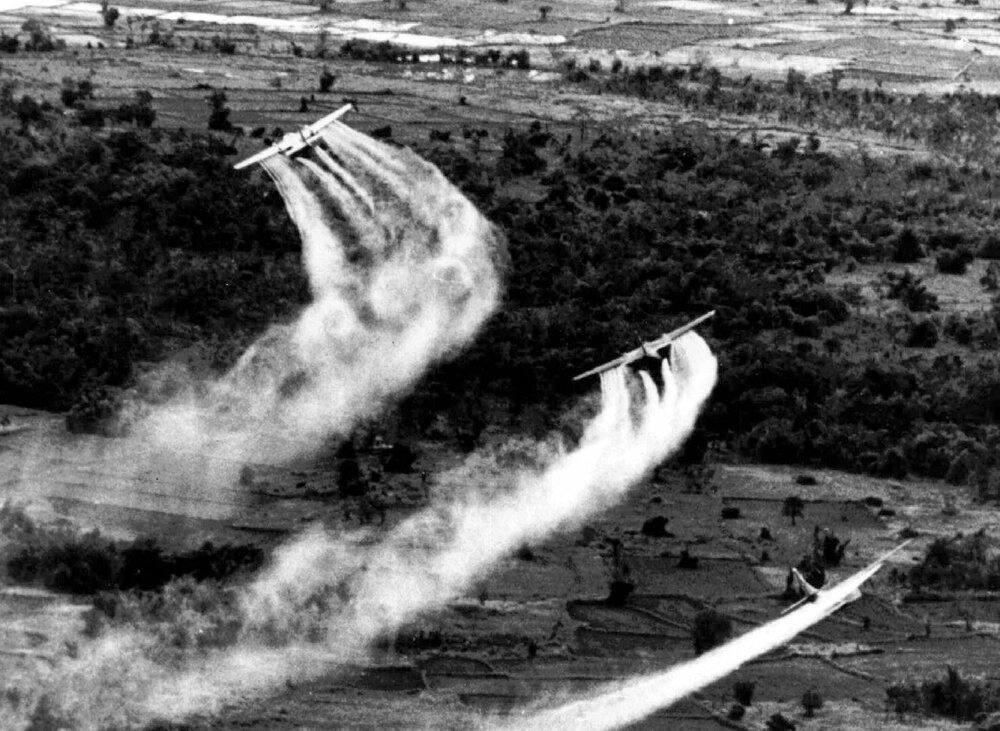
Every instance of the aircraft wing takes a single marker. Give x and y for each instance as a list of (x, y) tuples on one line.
[(849, 589), (804, 600), (654, 345), (259, 157), (295, 141), (311, 130), (810, 592)]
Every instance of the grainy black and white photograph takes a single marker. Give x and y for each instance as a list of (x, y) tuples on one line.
[(499, 365)]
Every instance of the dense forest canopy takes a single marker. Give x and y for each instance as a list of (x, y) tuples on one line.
[(124, 244)]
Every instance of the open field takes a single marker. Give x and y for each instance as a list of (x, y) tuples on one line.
[(538, 626)]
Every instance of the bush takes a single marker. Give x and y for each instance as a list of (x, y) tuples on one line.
[(655, 527), (743, 691), (955, 261), (793, 507), (777, 722), (812, 701), (907, 248), (710, 629), (326, 80), (923, 334)]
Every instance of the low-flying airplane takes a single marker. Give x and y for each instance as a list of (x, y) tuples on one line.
[(812, 593), (295, 141), (646, 350)]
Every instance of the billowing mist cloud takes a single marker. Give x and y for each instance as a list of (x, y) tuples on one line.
[(326, 598), (367, 591), (403, 272)]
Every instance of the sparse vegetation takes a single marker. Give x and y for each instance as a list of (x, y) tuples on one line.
[(743, 691), (812, 701), (952, 697), (63, 559), (793, 507), (326, 80), (710, 629), (109, 14)]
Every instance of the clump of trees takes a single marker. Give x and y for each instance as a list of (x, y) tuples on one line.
[(952, 696), (961, 562), (387, 52), (64, 560), (629, 232)]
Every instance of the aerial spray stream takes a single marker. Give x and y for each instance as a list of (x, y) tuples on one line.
[(375, 243), (623, 703), (382, 311), (327, 598), (351, 594), (397, 285)]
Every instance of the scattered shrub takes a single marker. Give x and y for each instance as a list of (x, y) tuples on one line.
[(793, 507), (778, 722), (656, 527), (812, 701), (743, 691), (710, 629), (955, 261), (687, 561)]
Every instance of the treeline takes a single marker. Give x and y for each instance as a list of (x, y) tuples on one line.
[(963, 123), (63, 559), (125, 245), (632, 234)]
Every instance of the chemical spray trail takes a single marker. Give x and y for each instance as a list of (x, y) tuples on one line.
[(327, 598), (628, 702), (403, 271)]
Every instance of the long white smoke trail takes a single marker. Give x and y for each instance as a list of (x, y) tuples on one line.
[(403, 271), (436, 555), (329, 597), (388, 299), (623, 703)]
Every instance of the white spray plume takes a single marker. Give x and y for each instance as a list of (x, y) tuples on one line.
[(403, 271), (624, 703), (328, 597), (390, 297)]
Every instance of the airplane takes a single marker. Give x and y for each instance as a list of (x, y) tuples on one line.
[(646, 350), (295, 141), (812, 593)]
